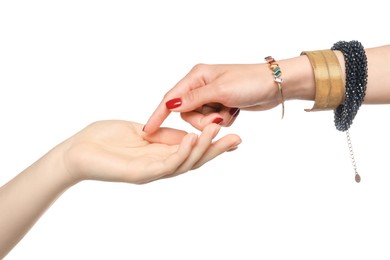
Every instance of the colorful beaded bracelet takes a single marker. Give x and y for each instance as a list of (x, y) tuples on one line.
[(277, 77)]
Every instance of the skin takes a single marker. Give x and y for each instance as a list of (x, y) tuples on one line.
[(209, 92), (121, 151), (117, 151)]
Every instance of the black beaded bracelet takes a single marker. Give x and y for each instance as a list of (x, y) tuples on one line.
[(355, 83), (356, 74)]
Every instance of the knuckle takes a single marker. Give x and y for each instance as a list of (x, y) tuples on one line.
[(191, 96)]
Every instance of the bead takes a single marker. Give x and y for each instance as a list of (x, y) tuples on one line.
[(277, 73), (278, 80), (269, 59)]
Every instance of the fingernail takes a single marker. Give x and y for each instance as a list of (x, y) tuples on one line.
[(232, 148), (143, 128), (173, 103), (234, 111), (218, 120)]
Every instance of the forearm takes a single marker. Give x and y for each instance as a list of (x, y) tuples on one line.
[(26, 197), (299, 82), (378, 85)]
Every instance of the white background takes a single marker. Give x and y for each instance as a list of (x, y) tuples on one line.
[(287, 193)]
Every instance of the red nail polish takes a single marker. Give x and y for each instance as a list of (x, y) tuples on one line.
[(173, 103), (218, 120), (234, 111)]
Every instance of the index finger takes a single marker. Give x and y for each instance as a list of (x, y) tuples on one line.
[(194, 79)]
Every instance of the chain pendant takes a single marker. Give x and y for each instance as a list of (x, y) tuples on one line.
[(357, 177), (351, 154)]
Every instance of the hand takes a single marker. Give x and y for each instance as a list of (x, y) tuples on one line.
[(108, 151), (211, 93), (121, 151)]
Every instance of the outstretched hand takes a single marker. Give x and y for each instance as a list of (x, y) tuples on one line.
[(121, 151), (108, 151)]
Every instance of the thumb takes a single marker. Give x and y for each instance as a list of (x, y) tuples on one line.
[(193, 99)]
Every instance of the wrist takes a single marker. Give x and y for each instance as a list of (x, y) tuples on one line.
[(298, 78), (56, 159)]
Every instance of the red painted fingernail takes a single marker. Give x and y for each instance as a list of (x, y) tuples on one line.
[(218, 120), (173, 103), (234, 111)]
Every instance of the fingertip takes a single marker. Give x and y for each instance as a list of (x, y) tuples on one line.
[(231, 149), (218, 120), (156, 119), (212, 127), (237, 139), (173, 103), (234, 141), (147, 129)]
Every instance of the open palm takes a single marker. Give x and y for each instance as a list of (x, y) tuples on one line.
[(121, 151)]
